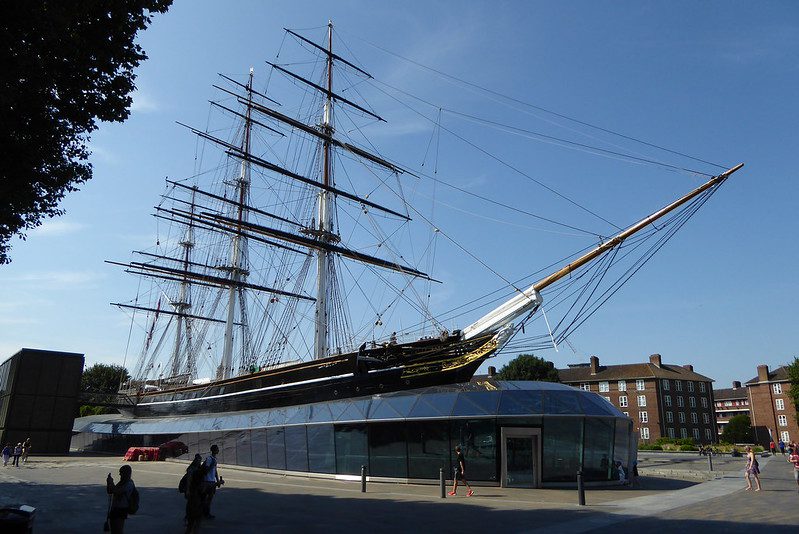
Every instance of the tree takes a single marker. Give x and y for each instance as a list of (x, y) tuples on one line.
[(793, 376), (529, 367), (102, 379), (738, 430), (66, 65)]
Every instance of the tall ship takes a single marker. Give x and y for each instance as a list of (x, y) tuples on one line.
[(255, 295)]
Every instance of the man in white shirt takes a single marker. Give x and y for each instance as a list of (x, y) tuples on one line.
[(211, 482)]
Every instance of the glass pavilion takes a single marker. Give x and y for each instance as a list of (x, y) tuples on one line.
[(525, 434)]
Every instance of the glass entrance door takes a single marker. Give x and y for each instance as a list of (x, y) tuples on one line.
[(520, 457)]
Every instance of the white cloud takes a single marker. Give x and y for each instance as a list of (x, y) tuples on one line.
[(56, 228), (142, 103), (51, 279)]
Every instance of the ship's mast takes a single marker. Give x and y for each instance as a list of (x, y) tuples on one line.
[(237, 272), (184, 301), (325, 223)]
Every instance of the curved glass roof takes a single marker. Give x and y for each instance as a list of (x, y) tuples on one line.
[(483, 398)]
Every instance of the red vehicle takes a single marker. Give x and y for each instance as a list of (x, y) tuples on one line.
[(172, 449)]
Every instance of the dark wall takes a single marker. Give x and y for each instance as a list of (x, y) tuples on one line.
[(38, 398)]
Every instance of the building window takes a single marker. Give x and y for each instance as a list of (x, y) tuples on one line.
[(639, 385), (644, 433), (585, 387), (727, 403), (680, 402), (780, 404), (696, 434), (642, 400), (784, 436), (607, 399), (783, 420), (683, 433), (704, 402), (667, 400), (643, 417), (669, 417), (708, 433), (706, 418), (670, 432), (778, 388), (623, 401), (681, 416), (690, 387), (626, 414), (701, 387), (622, 385), (692, 402), (694, 418), (678, 385), (665, 383), (604, 387)]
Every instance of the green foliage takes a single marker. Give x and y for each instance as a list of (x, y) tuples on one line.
[(793, 376), (66, 65), (103, 379), (675, 441), (86, 410), (738, 430), (688, 448), (529, 367), (649, 447)]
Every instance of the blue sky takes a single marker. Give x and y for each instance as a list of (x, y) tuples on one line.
[(716, 80)]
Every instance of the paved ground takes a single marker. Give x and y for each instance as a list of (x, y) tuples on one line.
[(69, 494)]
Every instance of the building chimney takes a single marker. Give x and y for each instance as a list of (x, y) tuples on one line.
[(594, 365), (689, 367), (762, 373), (736, 384), (655, 359), (492, 370)]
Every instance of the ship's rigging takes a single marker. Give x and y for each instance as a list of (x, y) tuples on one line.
[(252, 273)]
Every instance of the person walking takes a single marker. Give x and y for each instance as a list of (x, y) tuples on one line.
[(7, 450), (17, 454), (460, 473), (211, 482), (794, 459), (193, 489), (122, 497), (772, 448), (781, 445), (752, 469), (26, 450)]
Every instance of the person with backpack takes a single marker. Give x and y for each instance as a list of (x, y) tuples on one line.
[(211, 481), (124, 499), (191, 486)]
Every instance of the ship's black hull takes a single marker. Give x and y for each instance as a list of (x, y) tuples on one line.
[(380, 370)]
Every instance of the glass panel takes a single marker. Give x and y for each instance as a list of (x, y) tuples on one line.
[(275, 448), (204, 444), (388, 455), (351, 449), (564, 402), (593, 405), (258, 447), (243, 449), (354, 411), (520, 402), (598, 449), (519, 462), (476, 403), (391, 407), (227, 447), (296, 449), (562, 448), (320, 413), (622, 443), (428, 449), (434, 405), (477, 438), (321, 449)]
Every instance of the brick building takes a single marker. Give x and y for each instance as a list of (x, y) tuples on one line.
[(662, 400), (773, 412), (729, 403)]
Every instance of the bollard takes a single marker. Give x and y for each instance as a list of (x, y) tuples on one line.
[(441, 483), (580, 489), (363, 479), (710, 460)]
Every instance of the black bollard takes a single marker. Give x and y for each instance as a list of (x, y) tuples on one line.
[(580, 489), (710, 460), (363, 479), (441, 483)]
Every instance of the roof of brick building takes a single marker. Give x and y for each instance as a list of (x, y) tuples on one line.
[(729, 394), (780, 374), (630, 371)]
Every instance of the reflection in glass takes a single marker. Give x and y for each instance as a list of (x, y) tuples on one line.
[(321, 449), (598, 449), (388, 450), (275, 448), (562, 451), (478, 441), (622, 443), (519, 462), (227, 447), (296, 448), (243, 450), (428, 449), (258, 447), (476, 403), (351, 449)]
